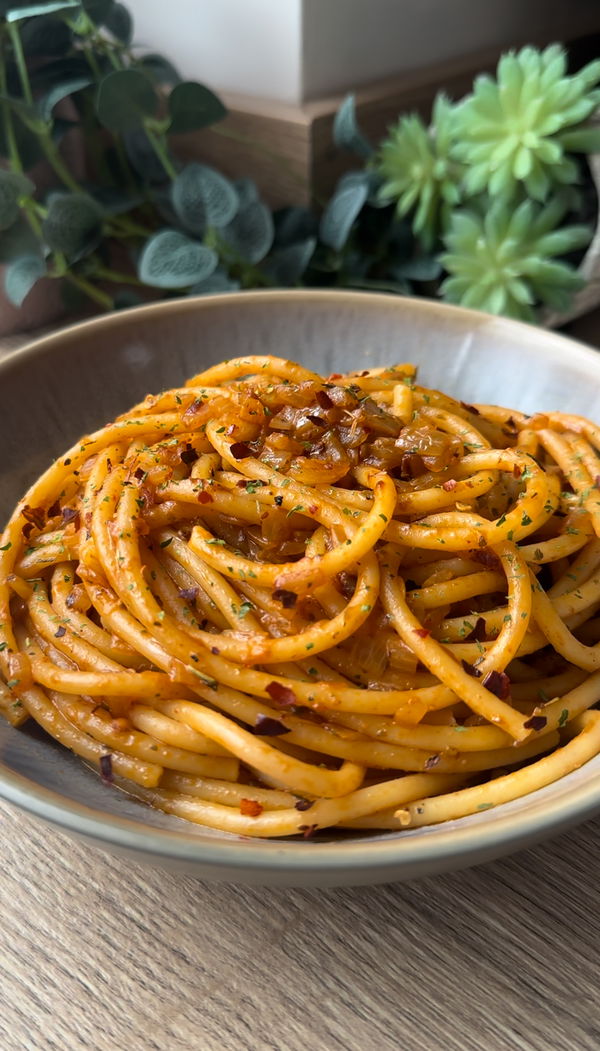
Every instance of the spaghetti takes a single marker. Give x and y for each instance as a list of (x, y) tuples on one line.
[(272, 603)]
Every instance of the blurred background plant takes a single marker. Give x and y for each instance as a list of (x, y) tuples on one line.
[(488, 206)]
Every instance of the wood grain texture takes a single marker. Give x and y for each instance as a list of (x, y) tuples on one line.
[(100, 953)]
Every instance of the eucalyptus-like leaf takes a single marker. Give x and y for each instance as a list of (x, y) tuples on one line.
[(203, 197), (172, 260), (193, 106), (285, 266), (346, 132), (59, 92), (17, 13), (13, 186), (119, 22), (125, 98), (250, 233), (73, 224), (45, 36), (159, 69), (340, 215), (218, 282), (20, 277)]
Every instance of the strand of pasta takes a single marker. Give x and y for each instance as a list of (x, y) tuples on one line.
[(584, 746)]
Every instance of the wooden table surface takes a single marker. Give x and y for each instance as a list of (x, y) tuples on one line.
[(99, 954)]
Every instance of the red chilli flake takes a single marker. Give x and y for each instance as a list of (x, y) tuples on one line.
[(450, 485), (251, 807), (307, 830), (35, 515), (106, 769), (204, 497), (188, 455), (335, 376), (478, 633), (27, 529), (597, 482), (431, 762), (54, 509), (421, 632), (70, 516), (470, 669), (215, 650), (288, 600), (517, 471), (470, 408), (240, 450), (304, 804), (498, 683), (58, 634), (265, 726), (537, 722), (283, 696), (139, 473)]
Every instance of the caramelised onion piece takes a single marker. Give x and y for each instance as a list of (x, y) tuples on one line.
[(300, 423), (377, 420), (435, 448), (383, 453)]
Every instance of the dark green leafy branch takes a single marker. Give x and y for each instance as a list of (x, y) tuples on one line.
[(484, 206)]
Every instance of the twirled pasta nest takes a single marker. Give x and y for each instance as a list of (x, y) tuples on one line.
[(276, 603)]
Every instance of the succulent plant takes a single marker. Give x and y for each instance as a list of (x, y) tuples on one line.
[(418, 172), (503, 259), (519, 128)]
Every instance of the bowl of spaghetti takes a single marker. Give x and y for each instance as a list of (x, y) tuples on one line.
[(301, 587)]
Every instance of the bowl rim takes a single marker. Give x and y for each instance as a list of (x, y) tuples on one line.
[(388, 853)]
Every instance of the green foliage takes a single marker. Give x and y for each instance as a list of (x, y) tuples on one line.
[(20, 277), (516, 130), (125, 99), (193, 106), (346, 132), (503, 260), (72, 225), (433, 208), (202, 198), (13, 186), (171, 260), (418, 172)]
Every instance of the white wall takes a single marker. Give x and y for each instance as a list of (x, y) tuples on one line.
[(247, 46), (295, 50), (347, 43)]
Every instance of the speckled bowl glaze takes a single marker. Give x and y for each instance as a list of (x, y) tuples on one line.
[(71, 382)]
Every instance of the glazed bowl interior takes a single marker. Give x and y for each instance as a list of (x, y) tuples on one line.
[(75, 380)]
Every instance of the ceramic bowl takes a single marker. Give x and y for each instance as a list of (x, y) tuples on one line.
[(74, 380)]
